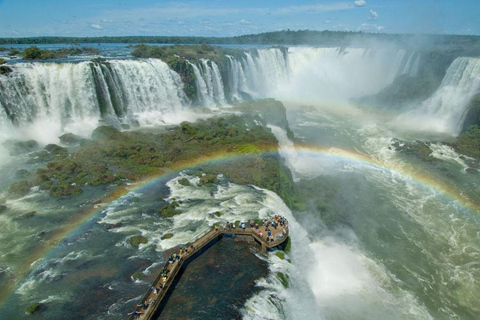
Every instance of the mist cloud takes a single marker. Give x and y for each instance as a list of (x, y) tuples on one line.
[(373, 15)]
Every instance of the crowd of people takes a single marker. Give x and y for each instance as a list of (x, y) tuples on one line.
[(265, 233), (268, 230)]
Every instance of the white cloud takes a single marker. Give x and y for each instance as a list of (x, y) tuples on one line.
[(96, 26), (245, 21), (359, 3), (373, 15), (370, 27)]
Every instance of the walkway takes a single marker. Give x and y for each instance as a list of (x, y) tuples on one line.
[(267, 238)]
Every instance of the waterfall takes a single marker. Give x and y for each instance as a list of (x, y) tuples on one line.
[(209, 83), (445, 110), (70, 93)]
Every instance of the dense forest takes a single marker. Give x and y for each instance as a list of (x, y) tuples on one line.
[(286, 37)]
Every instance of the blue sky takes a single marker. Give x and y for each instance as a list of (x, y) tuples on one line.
[(21, 18)]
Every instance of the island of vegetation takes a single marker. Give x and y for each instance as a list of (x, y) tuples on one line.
[(114, 157)]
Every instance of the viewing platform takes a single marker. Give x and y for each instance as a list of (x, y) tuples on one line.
[(267, 236)]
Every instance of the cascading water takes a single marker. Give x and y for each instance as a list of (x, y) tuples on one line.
[(69, 94), (446, 109)]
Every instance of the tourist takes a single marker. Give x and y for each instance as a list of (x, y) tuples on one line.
[(243, 226), (251, 224)]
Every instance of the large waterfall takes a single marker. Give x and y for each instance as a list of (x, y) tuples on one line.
[(445, 110), (69, 93), (71, 96)]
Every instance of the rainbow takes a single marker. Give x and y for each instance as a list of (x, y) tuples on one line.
[(88, 215)]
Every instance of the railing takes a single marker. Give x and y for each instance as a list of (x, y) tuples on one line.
[(196, 246)]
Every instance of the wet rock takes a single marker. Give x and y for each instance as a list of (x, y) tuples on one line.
[(55, 149), (22, 174), (135, 241), (70, 138), (106, 133), (110, 226), (28, 215), (16, 147), (19, 189), (3, 208), (468, 170)]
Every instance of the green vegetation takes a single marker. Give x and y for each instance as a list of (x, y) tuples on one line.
[(137, 276), (468, 142), (283, 279), (179, 57), (287, 245), (217, 213), (417, 148), (34, 308), (280, 254), (135, 241), (115, 157), (207, 180), (35, 53), (473, 115), (2, 61), (337, 38), (184, 182), (19, 189), (169, 210), (167, 236)]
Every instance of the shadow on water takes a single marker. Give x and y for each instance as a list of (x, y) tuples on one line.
[(214, 283)]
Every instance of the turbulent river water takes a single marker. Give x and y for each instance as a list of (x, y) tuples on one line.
[(399, 238)]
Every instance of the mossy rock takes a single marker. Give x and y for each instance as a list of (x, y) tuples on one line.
[(283, 279), (218, 213), (55, 149), (207, 180), (135, 199), (135, 241), (167, 236), (168, 210), (16, 147), (184, 182), (5, 69), (137, 276), (106, 133), (64, 189), (280, 254), (22, 174), (19, 189), (287, 245), (2, 61), (27, 215), (3, 208), (34, 308), (70, 138)]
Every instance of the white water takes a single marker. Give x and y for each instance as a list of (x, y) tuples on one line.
[(47, 99), (445, 111)]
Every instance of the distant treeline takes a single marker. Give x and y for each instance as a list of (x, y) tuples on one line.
[(287, 37)]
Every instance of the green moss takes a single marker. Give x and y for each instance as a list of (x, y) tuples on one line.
[(137, 276), (283, 279), (19, 189), (33, 308), (287, 245), (135, 241), (167, 236), (207, 180), (468, 142), (280, 254), (168, 210), (184, 182)]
